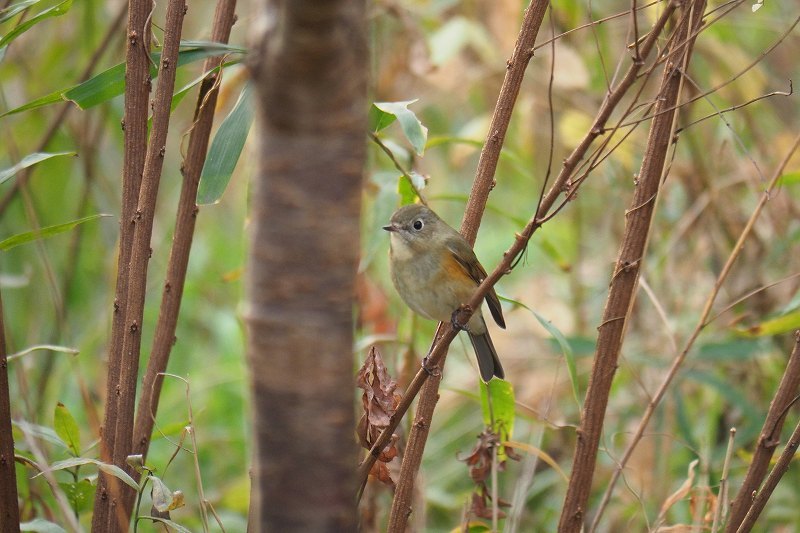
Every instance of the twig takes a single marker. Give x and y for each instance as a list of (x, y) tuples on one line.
[(377, 140), (9, 505), (186, 216), (622, 293), (702, 320), (142, 226), (722, 495), (738, 106), (780, 468), (769, 439), (134, 125)]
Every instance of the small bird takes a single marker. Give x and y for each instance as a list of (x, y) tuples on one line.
[(435, 271)]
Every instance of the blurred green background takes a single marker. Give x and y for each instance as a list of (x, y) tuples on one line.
[(451, 57)]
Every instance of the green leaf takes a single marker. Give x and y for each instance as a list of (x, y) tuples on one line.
[(49, 231), (775, 326), (40, 432), (415, 132), (111, 82), (105, 467), (169, 523), (566, 350), (379, 119), (10, 11), (48, 347), (225, 150), (40, 525), (80, 494), (65, 427), (790, 178), (55, 11), (27, 161), (497, 405)]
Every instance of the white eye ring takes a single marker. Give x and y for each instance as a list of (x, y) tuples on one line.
[(418, 224)]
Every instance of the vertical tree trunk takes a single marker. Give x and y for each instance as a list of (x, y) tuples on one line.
[(310, 74)]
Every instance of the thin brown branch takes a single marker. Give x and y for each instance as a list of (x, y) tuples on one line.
[(481, 186), (9, 505), (377, 140), (134, 124), (142, 225), (184, 229), (164, 337), (719, 112), (701, 322), (604, 113), (780, 468), (622, 292), (769, 439)]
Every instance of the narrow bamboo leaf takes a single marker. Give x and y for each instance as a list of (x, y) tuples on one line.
[(105, 467), (225, 150), (790, 178), (49, 231), (497, 405), (776, 326), (55, 11), (10, 11), (566, 349), (111, 82), (65, 427), (541, 454), (27, 161), (40, 525), (40, 432), (42, 101), (47, 347), (413, 129)]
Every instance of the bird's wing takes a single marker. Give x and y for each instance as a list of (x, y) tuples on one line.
[(468, 260)]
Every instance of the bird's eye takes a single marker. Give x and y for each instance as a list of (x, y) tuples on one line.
[(417, 225)]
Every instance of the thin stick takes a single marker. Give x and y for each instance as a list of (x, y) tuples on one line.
[(722, 495), (9, 505), (164, 337), (769, 438), (481, 186), (701, 323), (134, 124), (780, 468), (625, 278)]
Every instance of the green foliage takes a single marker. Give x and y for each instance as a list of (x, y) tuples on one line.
[(49, 231), (27, 161), (225, 150), (447, 58)]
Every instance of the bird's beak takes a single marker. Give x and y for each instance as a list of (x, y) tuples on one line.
[(391, 227)]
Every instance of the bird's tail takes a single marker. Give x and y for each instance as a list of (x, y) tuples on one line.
[(488, 362)]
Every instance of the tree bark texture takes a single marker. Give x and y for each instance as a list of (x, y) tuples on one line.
[(625, 278), (310, 69)]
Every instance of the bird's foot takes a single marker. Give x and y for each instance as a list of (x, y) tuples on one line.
[(455, 322), (431, 370)]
